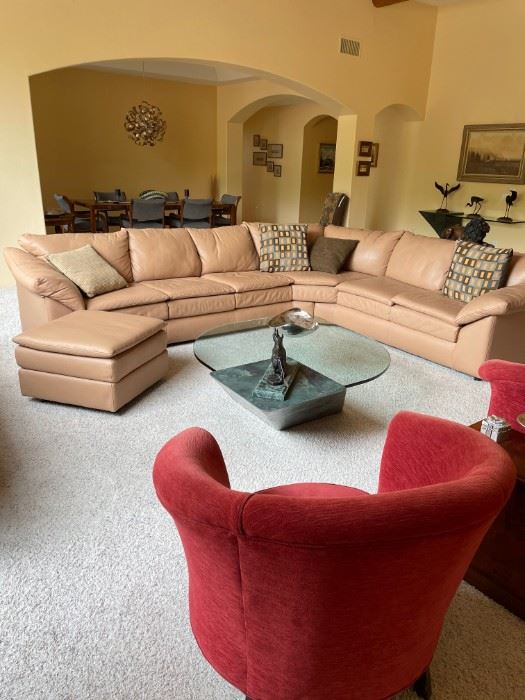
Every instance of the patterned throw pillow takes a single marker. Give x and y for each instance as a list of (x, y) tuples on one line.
[(283, 248), (88, 270), (475, 270)]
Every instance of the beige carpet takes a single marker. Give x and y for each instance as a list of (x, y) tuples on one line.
[(93, 582)]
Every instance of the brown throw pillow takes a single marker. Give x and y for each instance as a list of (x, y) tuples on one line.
[(475, 270), (330, 254), (88, 270)]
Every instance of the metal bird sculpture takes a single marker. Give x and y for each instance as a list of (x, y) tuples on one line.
[(446, 192), (509, 201), (475, 202)]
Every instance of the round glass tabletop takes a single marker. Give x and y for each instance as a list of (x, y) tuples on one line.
[(340, 354)]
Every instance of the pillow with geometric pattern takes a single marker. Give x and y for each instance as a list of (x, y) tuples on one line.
[(475, 270), (283, 248)]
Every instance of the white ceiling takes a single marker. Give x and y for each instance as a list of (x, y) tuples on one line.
[(173, 69)]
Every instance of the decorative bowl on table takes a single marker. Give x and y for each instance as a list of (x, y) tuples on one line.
[(294, 321)]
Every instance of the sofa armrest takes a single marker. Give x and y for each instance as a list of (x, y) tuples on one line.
[(502, 301), (39, 277)]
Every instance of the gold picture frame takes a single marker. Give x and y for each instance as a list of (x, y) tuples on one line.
[(492, 153)]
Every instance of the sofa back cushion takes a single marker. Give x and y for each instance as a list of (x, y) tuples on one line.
[(159, 254), (113, 247), (373, 251), (421, 261), (225, 249)]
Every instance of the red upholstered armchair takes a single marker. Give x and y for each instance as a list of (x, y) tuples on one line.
[(507, 384), (325, 592)]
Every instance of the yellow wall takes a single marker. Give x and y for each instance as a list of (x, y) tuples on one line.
[(82, 145), (477, 78), (315, 185), (301, 47)]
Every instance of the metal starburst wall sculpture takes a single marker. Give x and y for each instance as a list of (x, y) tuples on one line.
[(144, 124)]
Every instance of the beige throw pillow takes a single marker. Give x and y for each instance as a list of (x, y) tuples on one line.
[(88, 270)]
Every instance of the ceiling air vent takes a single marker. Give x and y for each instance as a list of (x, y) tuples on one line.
[(350, 46)]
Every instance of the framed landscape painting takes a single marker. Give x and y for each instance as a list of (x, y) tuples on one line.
[(326, 158), (493, 153)]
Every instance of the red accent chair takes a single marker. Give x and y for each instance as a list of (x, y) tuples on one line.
[(507, 385), (326, 592)]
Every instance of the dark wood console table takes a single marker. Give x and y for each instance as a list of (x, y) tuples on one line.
[(498, 569), (441, 220)]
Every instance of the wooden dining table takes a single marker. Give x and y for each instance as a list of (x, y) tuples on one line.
[(96, 207)]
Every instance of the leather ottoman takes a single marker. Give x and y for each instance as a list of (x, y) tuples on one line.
[(94, 359)]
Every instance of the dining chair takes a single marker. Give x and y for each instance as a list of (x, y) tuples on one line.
[(334, 209), (322, 591), (195, 213), (228, 218), (82, 221), (146, 213), (112, 196)]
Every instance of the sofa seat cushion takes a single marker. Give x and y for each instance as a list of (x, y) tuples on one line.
[(91, 334), (136, 294), (421, 261), (371, 295), (430, 303), (199, 306), (424, 323), (250, 281), (159, 310), (225, 249), (113, 247), (380, 289), (262, 297), (313, 278), (373, 251), (159, 254), (314, 292), (189, 287)]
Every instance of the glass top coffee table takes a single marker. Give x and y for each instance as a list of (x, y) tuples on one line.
[(331, 359)]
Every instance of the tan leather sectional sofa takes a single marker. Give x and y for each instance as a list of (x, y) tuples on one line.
[(196, 279)]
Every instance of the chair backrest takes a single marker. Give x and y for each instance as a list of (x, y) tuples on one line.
[(153, 194), (173, 196), (147, 209), (230, 199), (507, 389), (334, 209), (197, 209), (113, 196), (64, 203), (332, 597)]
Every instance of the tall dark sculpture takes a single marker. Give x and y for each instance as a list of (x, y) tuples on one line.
[(278, 360), (475, 202), (446, 191), (509, 201)]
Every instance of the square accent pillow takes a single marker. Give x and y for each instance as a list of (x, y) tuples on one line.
[(88, 270), (330, 254), (283, 248), (475, 270)]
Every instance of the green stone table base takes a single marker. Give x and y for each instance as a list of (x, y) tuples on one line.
[(311, 396)]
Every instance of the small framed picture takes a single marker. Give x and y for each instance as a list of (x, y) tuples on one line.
[(326, 158), (259, 158), (275, 150), (264, 144), (269, 166), (277, 169), (256, 140), (365, 149), (363, 167), (374, 154)]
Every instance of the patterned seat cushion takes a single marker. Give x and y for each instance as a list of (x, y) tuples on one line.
[(475, 270), (283, 248)]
